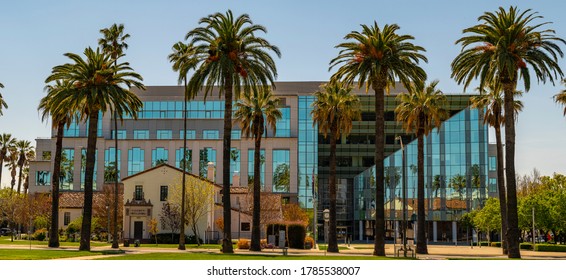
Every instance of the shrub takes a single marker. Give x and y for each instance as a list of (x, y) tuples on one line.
[(243, 244), (296, 235), (263, 243), (40, 234), (309, 242), (526, 246), (495, 244), (484, 243), (191, 239), (550, 248)]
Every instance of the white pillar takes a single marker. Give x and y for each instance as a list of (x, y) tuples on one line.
[(396, 231), (454, 233), (434, 231), (361, 230)]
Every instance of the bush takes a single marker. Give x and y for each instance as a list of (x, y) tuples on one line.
[(550, 248), (191, 239), (243, 244), (296, 235), (484, 243), (526, 246), (495, 244), (309, 242), (40, 234), (263, 243)]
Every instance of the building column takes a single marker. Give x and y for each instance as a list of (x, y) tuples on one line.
[(361, 230), (434, 231), (454, 232)]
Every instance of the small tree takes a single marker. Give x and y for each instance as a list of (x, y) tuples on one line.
[(170, 218), (153, 229)]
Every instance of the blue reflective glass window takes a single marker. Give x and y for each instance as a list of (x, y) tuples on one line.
[(210, 134), (164, 134), (179, 159), (136, 160), (159, 156), (141, 134), (206, 155)]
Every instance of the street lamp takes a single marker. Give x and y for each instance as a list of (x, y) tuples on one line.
[(239, 213), (404, 187), (326, 216), (108, 224)]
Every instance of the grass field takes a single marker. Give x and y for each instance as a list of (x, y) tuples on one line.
[(26, 254), (214, 256), (6, 240)]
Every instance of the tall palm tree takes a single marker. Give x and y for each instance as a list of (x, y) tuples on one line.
[(255, 112), (60, 117), (561, 98), (24, 147), (30, 155), (491, 99), (183, 60), (231, 56), (501, 49), (6, 142), (98, 85), (334, 110), (376, 57), (114, 43), (2, 101), (12, 164), (420, 111)]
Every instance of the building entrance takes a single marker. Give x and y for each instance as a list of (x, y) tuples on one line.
[(138, 230)]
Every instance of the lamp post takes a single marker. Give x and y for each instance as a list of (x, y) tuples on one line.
[(108, 224), (404, 189), (239, 222), (326, 216)]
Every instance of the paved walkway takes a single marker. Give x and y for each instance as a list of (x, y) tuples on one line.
[(436, 252)]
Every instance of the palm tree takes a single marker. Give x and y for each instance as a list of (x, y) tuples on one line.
[(12, 164), (60, 117), (113, 43), (375, 58), (491, 99), (334, 110), (231, 56), (24, 147), (561, 98), (98, 84), (255, 112), (6, 142), (500, 49), (420, 111), (183, 60), (30, 155), (2, 102)]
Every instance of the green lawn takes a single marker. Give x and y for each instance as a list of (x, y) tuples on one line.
[(188, 246), (23, 254), (6, 240), (215, 256), (324, 247)]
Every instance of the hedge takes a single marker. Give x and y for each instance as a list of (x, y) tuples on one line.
[(168, 238), (495, 244), (550, 248), (526, 246)]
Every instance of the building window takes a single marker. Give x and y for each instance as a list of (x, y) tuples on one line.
[(83, 168), (66, 218), (164, 134), (72, 130), (174, 110), (121, 134), (159, 156), (245, 227), (43, 178), (261, 168), (67, 168), (110, 165), (164, 192), (206, 155), (46, 155), (135, 161), (141, 134), (138, 193), (492, 185), (281, 171), (236, 134), (179, 159), (234, 162), (210, 134), (283, 125), (492, 163), (191, 134)]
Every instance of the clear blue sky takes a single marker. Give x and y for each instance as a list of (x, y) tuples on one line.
[(35, 34)]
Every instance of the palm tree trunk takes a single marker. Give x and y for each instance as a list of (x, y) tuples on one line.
[(332, 239), (255, 242), (54, 232), (21, 166), (227, 138), (512, 217), (501, 188), (89, 176), (183, 166), (421, 224), (115, 231), (379, 245)]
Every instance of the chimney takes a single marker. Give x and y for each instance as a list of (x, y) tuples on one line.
[(210, 172), (236, 179)]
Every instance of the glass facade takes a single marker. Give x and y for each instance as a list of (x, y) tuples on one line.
[(281, 171), (109, 164), (210, 134), (234, 163), (191, 134), (141, 134), (72, 130), (67, 168), (455, 166), (307, 153), (174, 110), (251, 168), (43, 178), (121, 134), (164, 134), (179, 159), (284, 124), (206, 155), (159, 156), (136, 159)]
